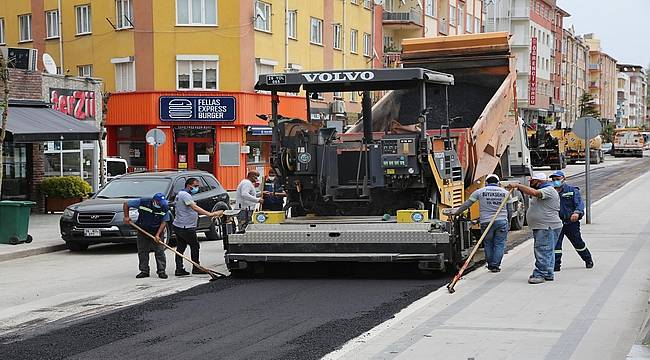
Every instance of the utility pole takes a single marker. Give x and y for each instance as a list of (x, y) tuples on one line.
[(4, 80), (102, 123)]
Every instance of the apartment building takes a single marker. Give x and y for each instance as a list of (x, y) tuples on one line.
[(153, 53), (535, 34), (622, 100), (573, 75), (403, 19), (602, 78), (636, 89)]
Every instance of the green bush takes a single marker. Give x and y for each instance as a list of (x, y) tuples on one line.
[(65, 187)]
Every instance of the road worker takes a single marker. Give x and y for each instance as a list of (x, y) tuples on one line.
[(246, 198), (273, 193), (490, 198), (153, 215), (572, 209), (543, 218)]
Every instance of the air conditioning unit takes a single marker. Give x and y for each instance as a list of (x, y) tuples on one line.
[(337, 107), (21, 58)]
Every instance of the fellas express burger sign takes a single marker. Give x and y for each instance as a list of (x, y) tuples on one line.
[(79, 104)]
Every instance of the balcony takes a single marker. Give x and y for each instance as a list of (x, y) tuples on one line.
[(410, 18), (594, 84), (443, 27), (391, 59), (520, 12), (594, 67)]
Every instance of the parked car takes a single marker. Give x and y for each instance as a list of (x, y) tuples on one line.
[(115, 167), (607, 148), (100, 219)]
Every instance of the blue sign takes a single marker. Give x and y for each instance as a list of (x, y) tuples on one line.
[(197, 108)]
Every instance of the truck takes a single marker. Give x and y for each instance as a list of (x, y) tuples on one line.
[(377, 193), (547, 147), (628, 141), (576, 149)]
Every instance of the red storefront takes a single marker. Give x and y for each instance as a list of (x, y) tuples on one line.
[(217, 132)]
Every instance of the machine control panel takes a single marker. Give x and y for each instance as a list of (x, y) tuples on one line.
[(399, 154)]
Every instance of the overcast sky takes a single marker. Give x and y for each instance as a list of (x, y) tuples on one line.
[(622, 25)]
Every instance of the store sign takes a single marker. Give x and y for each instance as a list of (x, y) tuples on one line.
[(79, 104), (197, 108), (532, 91)]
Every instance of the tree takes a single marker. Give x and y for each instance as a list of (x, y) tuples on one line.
[(4, 82), (587, 106)]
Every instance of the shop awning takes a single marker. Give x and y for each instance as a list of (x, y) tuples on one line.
[(260, 130), (36, 122)]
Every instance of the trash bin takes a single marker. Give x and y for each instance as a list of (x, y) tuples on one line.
[(14, 221)]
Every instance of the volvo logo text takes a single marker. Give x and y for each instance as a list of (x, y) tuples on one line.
[(340, 76)]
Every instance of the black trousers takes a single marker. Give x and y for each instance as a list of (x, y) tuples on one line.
[(184, 238), (145, 246)]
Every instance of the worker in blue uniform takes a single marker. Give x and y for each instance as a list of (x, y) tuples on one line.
[(153, 215), (572, 209)]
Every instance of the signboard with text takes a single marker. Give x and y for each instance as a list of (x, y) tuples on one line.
[(80, 104), (532, 91), (197, 108)]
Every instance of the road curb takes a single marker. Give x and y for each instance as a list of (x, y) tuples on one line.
[(32, 252)]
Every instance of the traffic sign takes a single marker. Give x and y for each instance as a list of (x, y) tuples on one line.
[(155, 137), (587, 128)]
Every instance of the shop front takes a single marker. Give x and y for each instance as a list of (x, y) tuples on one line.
[(217, 132)]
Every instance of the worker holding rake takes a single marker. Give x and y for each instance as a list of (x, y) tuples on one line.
[(153, 215)]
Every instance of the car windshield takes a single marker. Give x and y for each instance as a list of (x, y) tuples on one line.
[(133, 188)]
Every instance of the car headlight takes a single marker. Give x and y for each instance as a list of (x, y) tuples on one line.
[(68, 213), (133, 214)]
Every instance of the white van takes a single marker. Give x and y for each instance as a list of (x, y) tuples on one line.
[(115, 167)]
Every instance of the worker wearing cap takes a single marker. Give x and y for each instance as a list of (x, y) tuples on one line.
[(571, 211), (490, 198), (153, 215), (544, 219)]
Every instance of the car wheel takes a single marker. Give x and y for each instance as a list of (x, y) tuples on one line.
[(76, 246)]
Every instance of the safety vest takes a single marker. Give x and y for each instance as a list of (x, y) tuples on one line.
[(148, 216)]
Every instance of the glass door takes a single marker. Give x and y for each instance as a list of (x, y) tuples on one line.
[(196, 154), (203, 153)]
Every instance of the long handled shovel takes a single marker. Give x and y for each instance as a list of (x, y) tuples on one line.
[(214, 275), (453, 282)]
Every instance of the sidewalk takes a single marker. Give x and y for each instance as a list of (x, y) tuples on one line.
[(584, 314), (45, 231)]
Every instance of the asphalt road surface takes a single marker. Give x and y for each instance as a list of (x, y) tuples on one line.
[(283, 317)]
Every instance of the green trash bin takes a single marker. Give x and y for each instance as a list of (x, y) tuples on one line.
[(14, 221)]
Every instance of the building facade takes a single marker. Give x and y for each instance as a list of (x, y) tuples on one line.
[(535, 34), (602, 79), (636, 90), (153, 54), (622, 100), (574, 75), (403, 19)]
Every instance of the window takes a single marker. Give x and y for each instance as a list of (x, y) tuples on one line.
[(262, 16), (468, 23), (367, 44), (292, 31), (85, 70), (336, 32), (52, 24), (430, 8), (354, 96), (264, 66), (316, 33), (338, 95), (367, 4), (461, 18), (2, 30), (125, 76), (196, 12), (124, 14), (452, 15), (197, 72), (477, 25), (355, 2), (83, 19), (229, 154), (354, 34), (25, 23)]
